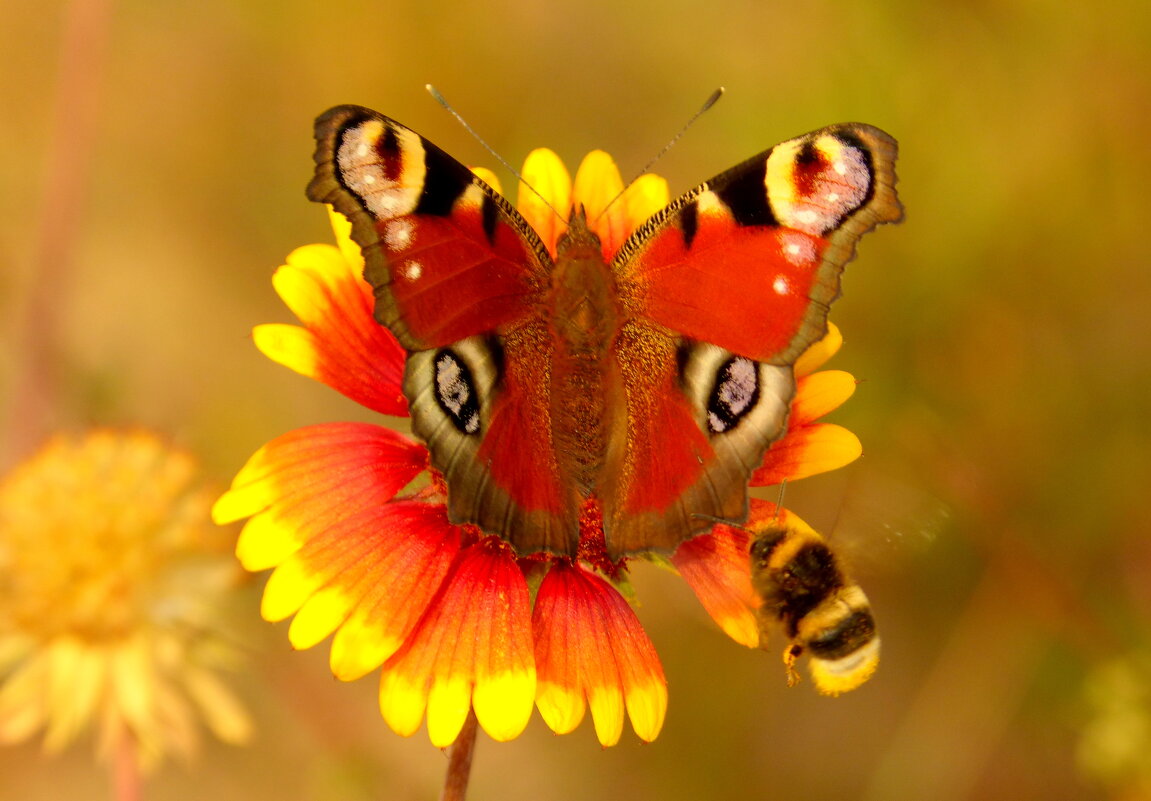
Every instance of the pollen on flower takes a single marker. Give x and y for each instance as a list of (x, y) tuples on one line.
[(112, 579)]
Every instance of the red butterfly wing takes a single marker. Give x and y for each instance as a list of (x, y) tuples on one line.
[(736, 278), (461, 280)]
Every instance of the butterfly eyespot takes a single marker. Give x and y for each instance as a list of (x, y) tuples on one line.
[(735, 393), (455, 391)]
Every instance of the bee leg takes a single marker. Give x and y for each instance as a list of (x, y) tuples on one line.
[(790, 657)]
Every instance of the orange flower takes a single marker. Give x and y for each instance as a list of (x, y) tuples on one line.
[(455, 619)]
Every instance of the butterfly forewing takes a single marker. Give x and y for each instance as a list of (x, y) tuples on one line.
[(751, 259), (448, 256)]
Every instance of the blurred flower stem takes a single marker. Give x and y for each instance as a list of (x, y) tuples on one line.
[(126, 785), (34, 407), (460, 762)]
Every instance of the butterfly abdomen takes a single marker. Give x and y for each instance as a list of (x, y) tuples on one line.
[(584, 318)]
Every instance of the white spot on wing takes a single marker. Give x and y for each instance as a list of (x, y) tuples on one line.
[(398, 234), (413, 270), (797, 248), (781, 285)]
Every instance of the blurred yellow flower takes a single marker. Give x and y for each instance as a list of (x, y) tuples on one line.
[(111, 581)]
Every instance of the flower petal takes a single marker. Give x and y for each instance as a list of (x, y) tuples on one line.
[(218, 705), (715, 565), (352, 559), (589, 644), (472, 647), (818, 394), (806, 451), (23, 704), (598, 183), (647, 195), (547, 208), (342, 228), (817, 355), (341, 344), (405, 582), (297, 482)]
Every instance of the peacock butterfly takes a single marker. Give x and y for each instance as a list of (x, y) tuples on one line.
[(652, 383)]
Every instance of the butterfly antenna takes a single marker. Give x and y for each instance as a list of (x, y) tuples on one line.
[(711, 101), (443, 101)]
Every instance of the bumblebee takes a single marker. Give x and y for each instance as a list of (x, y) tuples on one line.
[(822, 611)]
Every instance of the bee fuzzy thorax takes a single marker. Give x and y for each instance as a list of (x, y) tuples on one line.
[(822, 611)]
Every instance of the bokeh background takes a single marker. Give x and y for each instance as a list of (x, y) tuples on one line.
[(153, 157)]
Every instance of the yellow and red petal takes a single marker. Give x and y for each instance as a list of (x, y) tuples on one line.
[(293, 486), (716, 567), (384, 562), (472, 648), (592, 651), (818, 354), (807, 451), (340, 344), (547, 208)]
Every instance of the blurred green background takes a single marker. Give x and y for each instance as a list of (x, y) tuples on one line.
[(153, 167)]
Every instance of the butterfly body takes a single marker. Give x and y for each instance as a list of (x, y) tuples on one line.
[(649, 381), (584, 319)]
